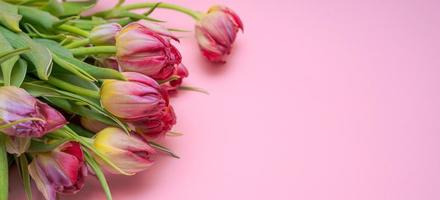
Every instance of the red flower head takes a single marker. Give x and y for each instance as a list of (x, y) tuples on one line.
[(59, 171), (141, 49), (216, 32)]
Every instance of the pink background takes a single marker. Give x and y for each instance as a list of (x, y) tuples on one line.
[(320, 100)]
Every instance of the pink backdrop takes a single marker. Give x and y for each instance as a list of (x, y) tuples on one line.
[(320, 100)]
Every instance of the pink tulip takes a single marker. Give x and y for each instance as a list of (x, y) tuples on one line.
[(16, 104), (104, 34), (140, 101), (216, 32), (59, 171), (140, 49), (129, 153), (138, 98)]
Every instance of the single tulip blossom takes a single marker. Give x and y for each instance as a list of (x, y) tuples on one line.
[(59, 171), (139, 101), (136, 99), (216, 32), (140, 49), (104, 34), (129, 153), (16, 104)]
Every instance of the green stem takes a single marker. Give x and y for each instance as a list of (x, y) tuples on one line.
[(78, 43), (194, 14), (4, 180), (84, 51), (73, 29), (73, 88)]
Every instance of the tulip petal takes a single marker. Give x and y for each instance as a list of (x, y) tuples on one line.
[(42, 182)]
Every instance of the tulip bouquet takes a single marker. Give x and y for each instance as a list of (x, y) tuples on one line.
[(89, 94)]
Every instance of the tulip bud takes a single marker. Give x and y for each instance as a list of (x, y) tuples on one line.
[(140, 49), (16, 104), (60, 171), (129, 153), (216, 32), (104, 34), (92, 124), (181, 72), (138, 98)]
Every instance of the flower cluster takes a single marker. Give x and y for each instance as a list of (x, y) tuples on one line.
[(88, 95)]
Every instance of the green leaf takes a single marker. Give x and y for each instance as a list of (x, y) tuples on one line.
[(72, 87), (79, 72), (99, 174), (97, 72), (41, 146), (77, 81), (19, 72), (54, 47), (72, 106), (3, 169), (4, 56), (152, 9), (8, 65), (9, 16), (24, 173), (40, 19), (33, 32), (81, 131), (64, 57), (77, 7), (38, 55), (87, 24), (54, 7)]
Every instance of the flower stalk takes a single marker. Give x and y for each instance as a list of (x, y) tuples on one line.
[(85, 51), (194, 14), (3, 168)]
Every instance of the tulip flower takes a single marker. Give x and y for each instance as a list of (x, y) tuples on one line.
[(216, 32), (129, 153), (140, 49), (138, 98), (141, 102), (104, 34), (181, 72), (92, 124), (60, 171), (16, 104)]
